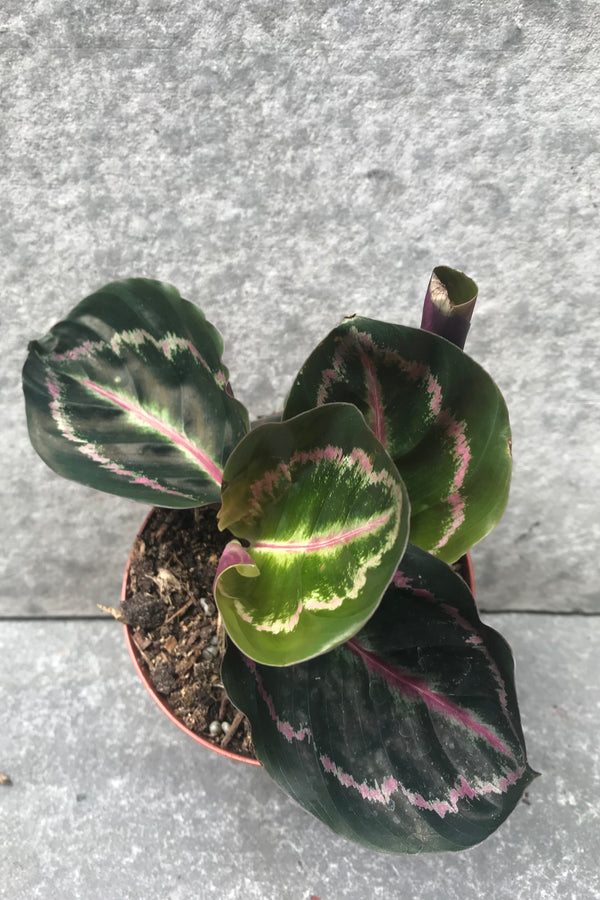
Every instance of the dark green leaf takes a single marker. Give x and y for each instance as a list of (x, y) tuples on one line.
[(128, 394), (407, 738), (439, 415)]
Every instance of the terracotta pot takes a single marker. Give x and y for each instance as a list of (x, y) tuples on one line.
[(142, 669)]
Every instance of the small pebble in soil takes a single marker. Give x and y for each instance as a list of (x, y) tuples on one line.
[(209, 652), (214, 728), (225, 726), (208, 607)]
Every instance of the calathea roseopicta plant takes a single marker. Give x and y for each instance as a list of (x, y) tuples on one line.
[(377, 697)]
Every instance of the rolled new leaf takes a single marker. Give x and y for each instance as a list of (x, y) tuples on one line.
[(438, 414), (407, 738), (449, 304), (128, 394), (324, 514)]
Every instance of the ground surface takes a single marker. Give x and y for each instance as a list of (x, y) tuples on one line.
[(110, 802)]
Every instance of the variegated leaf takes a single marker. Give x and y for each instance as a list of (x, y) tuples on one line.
[(439, 415), (128, 394), (325, 516), (407, 738)]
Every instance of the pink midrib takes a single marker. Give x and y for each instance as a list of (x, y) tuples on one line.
[(374, 398), (180, 440), (323, 543), (409, 685)]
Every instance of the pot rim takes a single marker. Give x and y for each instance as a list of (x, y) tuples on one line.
[(142, 669)]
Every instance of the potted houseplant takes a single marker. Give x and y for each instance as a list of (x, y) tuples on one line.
[(376, 696)]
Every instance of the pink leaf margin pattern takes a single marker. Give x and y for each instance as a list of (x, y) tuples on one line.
[(400, 580), (382, 793), (415, 371), (169, 346), (265, 489), (91, 450)]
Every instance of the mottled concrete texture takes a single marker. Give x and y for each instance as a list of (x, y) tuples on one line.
[(109, 800), (284, 165)]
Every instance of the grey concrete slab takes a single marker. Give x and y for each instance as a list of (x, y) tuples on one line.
[(110, 802), (287, 165)]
